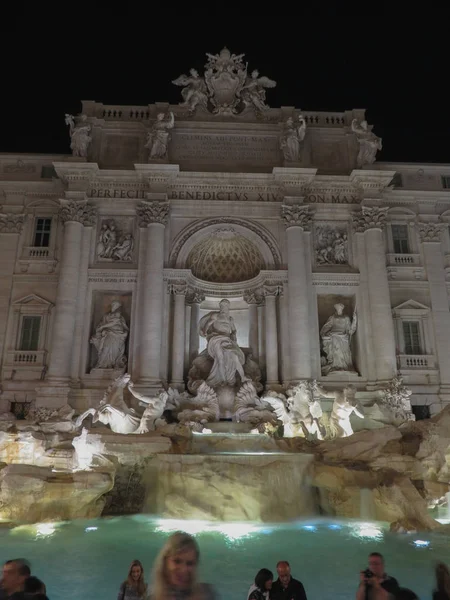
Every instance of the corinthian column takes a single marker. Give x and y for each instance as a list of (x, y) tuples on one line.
[(153, 217), (370, 223), (270, 293), (75, 215), (430, 236), (179, 332), (297, 220)]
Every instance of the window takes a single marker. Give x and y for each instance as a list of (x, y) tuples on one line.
[(42, 232), (400, 239), (29, 336), (445, 182), (411, 337)]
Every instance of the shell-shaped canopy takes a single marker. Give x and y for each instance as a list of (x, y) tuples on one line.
[(225, 256)]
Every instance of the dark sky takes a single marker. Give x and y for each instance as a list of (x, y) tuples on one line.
[(336, 56)]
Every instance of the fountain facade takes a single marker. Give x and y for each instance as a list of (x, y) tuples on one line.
[(220, 290)]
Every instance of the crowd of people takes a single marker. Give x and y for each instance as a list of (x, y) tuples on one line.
[(175, 578)]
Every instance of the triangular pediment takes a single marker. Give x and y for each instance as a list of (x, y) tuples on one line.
[(33, 300), (410, 305)]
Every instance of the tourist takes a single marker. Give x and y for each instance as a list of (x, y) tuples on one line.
[(260, 590), (175, 571), (15, 572), (34, 587), (375, 583), (286, 587), (134, 587), (442, 591)]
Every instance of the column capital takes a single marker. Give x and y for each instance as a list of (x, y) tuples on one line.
[(296, 215), (78, 211), (194, 296), (429, 232), (177, 288), (369, 217), (272, 289), (254, 297), (155, 211), (11, 222)]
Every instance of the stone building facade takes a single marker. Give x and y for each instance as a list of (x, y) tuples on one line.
[(161, 211)]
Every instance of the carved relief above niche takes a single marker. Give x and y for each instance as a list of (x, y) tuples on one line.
[(115, 240), (331, 244), (109, 333)]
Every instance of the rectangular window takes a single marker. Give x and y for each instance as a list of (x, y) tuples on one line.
[(42, 232), (29, 338), (411, 337), (445, 182), (400, 239)]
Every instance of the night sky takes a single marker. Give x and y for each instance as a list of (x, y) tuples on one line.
[(331, 57)]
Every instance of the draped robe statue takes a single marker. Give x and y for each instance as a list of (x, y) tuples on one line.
[(109, 339), (336, 336), (220, 332)]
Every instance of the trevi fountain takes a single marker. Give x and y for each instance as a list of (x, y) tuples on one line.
[(224, 316)]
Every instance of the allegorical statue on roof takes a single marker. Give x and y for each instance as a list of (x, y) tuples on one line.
[(226, 87)]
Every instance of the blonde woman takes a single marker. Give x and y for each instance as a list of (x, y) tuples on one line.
[(175, 571), (134, 587)]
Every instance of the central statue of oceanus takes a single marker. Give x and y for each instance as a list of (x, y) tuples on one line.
[(222, 365)]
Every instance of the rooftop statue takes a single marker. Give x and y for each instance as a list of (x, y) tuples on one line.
[(226, 87)]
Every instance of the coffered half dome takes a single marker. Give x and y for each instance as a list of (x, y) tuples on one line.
[(225, 256)]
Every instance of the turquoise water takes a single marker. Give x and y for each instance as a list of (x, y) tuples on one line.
[(88, 559)]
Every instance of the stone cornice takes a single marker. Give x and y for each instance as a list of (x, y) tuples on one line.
[(217, 290), (373, 183), (76, 175)]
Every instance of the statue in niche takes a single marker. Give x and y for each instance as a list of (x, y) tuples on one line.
[(113, 244), (369, 143), (293, 136), (220, 332), (336, 337), (194, 92), (109, 339), (79, 135), (159, 137), (331, 246)]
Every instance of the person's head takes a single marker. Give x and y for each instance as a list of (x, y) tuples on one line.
[(34, 586), (176, 565), (136, 576), (224, 306), (264, 579), (442, 578), (339, 308), (15, 572), (376, 564), (284, 571)]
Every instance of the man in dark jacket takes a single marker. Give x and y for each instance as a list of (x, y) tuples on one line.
[(286, 587)]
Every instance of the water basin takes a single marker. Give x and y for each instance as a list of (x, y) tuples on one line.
[(89, 559)]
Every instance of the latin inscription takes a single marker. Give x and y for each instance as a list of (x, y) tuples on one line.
[(111, 193), (225, 147), (112, 279)]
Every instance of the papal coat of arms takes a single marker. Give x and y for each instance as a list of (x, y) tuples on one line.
[(226, 88)]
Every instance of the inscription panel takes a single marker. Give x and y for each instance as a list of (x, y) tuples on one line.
[(212, 148)]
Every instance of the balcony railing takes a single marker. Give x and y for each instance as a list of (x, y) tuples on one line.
[(26, 358), (403, 260), (36, 252), (416, 361)]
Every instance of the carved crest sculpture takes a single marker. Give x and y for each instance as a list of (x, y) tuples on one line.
[(226, 88)]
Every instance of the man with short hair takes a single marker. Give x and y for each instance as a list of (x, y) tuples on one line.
[(286, 587), (375, 583), (14, 574)]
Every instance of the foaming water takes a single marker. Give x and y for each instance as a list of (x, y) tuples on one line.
[(89, 559)]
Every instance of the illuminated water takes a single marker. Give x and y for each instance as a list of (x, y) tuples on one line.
[(89, 559)]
